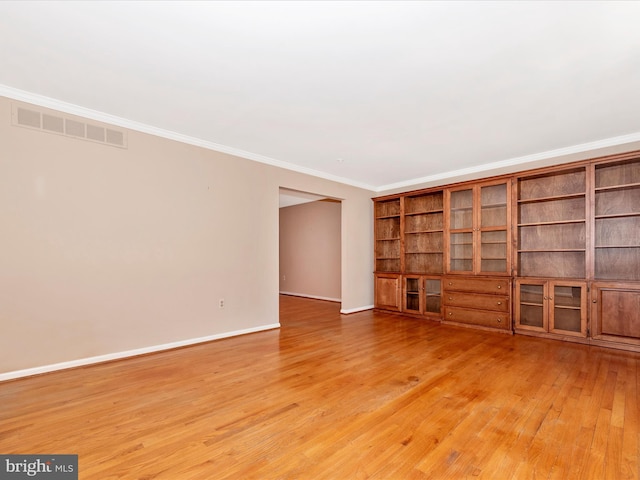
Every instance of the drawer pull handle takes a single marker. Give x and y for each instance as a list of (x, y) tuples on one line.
[(450, 298), (499, 287), (450, 313), (450, 283), (499, 303), (595, 301), (499, 320)]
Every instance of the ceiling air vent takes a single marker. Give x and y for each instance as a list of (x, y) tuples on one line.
[(54, 122)]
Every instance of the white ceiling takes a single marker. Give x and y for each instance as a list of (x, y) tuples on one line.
[(374, 94)]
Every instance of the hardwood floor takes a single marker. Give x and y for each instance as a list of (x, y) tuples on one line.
[(369, 395)]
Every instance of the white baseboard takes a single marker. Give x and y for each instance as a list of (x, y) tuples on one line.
[(315, 297), (355, 310), (129, 353)]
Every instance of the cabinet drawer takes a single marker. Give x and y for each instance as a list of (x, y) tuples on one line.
[(484, 318), (497, 303), (477, 285)]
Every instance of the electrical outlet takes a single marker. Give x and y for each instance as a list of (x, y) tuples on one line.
[(221, 303)]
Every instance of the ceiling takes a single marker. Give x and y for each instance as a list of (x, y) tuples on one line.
[(373, 94)]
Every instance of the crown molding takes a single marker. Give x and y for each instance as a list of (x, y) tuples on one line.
[(69, 108), (517, 161)]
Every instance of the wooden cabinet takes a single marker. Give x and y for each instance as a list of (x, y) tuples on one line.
[(568, 237), (551, 306), (387, 292), (409, 252), (476, 301), (387, 235), (423, 229), (552, 224), (422, 295), (615, 314), (478, 229)]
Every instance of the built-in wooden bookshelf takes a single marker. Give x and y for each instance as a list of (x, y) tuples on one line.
[(566, 237), (387, 235), (552, 224), (617, 221), (423, 233)]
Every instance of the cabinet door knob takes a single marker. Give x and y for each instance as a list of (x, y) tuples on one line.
[(550, 298), (595, 301)]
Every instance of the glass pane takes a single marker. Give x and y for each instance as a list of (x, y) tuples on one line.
[(433, 287), (493, 251), (412, 284), (531, 294), (567, 296), (493, 201), (461, 209), (531, 315), (433, 304), (532, 305), (413, 301), (566, 319), (461, 251)]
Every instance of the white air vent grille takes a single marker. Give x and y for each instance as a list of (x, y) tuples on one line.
[(31, 117), (52, 124)]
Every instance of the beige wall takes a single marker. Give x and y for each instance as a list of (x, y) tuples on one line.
[(310, 250), (108, 250)]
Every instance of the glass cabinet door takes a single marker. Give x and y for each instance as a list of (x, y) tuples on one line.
[(531, 313), (412, 294), (433, 290), (568, 303), (479, 229), (461, 231), (493, 229)]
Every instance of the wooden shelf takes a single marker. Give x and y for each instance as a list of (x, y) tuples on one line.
[(555, 222), (425, 212), (551, 198), (554, 250), (494, 205), (622, 186), (618, 215), (423, 231)]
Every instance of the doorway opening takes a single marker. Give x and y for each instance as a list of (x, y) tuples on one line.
[(310, 245)]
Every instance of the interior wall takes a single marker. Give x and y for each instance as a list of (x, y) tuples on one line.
[(310, 250), (108, 250)]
